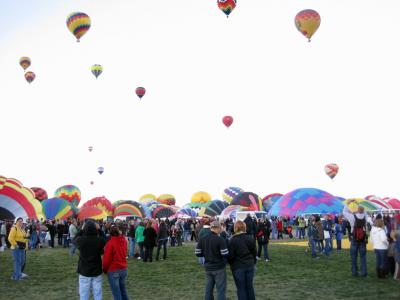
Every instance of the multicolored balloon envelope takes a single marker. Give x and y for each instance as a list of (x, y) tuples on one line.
[(40, 194), (227, 6), (306, 201), (91, 212), (378, 202), (270, 200), (18, 201), (307, 22), (356, 202), (57, 209), (166, 199), (100, 170), (103, 203), (163, 211), (30, 76), (147, 198), (97, 70), (230, 212), (25, 62), (125, 210), (331, 170), (69, 192), (393, 202), (251, 201), (230, 192), (187, 212), (78, 23), (201, 197), (213, 208), (140, 92)]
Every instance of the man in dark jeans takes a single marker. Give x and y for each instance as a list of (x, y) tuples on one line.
[(213, 248)]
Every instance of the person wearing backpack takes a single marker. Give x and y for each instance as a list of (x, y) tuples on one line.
[(359, 239)]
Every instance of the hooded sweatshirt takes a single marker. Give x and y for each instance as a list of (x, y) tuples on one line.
[(115, 254), (379, 238)]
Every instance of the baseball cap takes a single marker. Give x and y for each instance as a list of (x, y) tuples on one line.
[(215, 224)]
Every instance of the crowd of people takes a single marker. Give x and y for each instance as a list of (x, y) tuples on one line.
[(106, 247)]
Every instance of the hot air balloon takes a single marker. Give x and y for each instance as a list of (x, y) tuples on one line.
[(227, 6), (40, 194), (147, 198), (251, 201), (100, 170), (227, 120), (78, 23), (92, 182), (57, 208), (91, 212), (103, 203), (307, 22), (166, 199), (230, 192), (163, 211), (25, 62), (70, 193), (30, 76), (140, 91), (201, 197), (331, 170), (97, 70), (90, 148)]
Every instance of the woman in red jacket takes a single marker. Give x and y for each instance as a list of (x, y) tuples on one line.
[(115, 265)]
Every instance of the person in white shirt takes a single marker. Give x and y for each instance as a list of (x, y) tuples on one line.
[(381, 244)]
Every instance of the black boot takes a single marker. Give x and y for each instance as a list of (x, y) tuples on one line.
[(378, 272)]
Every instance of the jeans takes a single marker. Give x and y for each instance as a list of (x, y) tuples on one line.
[(162, 243), (215, 278), (339, 244), (59, 239), (19, 261), (148, 254), (117, 280), (381, 257), (355, 249), (85, 283), (65, 241), (173, 241), (302, 232), (313, 245), (73, 249), (265, 247), (141, 252), (328, 247), (244, 283), (33, 240), (131, 247)]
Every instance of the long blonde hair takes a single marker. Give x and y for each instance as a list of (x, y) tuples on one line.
[(239, 227)]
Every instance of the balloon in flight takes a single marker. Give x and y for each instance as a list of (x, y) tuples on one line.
[(307, 22), (78, 23), (25, 62), (100, 170), (227, 6), (227, 120), (140, 91), (97, 70), (331, 170), (30, 76)]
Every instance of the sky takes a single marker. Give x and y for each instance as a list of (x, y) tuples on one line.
[(297, 106)]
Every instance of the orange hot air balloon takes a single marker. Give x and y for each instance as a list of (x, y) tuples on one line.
[(307, 22), (227, 120)]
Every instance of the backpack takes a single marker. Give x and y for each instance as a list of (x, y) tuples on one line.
[(359, 229)]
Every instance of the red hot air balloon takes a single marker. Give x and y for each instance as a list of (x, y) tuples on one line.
[(227, 120), (140, 91)]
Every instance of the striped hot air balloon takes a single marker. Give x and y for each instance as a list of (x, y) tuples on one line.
[(78, 23)]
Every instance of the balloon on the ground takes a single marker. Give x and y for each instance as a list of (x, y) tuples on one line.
[(393, 202), (91, 212), (166, 199), (230, 212), (17, 200), (227, 6), (331, 170), (30, 76), (307, 22), (230, 192), (103, 203), (201, 197), (147, 198), (128, 210), (25, 62), (78, 23), (227, 120), (213, 208), (57, 209), (100, 170), (379, 202), (186, 212), (69, 192), (354, 203), (40, 194), (270, 200), (250, 201), (97, 70), (140, 92), (306, 201), (163, 211)]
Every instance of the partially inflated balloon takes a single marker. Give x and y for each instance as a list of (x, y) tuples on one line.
[(97, 70), (40, 194), (25, 62), (307, 22), (100, 170), (227, 120), (140, 91), (78, 23), (227, 6), (30, 76), (331, 170)]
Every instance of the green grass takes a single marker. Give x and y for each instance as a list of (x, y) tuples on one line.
[(291, 274)]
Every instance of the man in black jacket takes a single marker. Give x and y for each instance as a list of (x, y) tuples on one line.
[(91, 246), (213, 248)]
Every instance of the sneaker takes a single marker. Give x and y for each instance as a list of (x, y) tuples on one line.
[(24, 276), (258, 258), (139, 258), (267, 260)]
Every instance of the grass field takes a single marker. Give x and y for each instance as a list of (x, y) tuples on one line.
[(291, 274)]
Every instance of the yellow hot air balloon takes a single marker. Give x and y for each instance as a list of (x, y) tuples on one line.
[(25, 62), (307, 22), (201, 197), (78, 23)]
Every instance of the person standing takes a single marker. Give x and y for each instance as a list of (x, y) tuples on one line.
[(131, 238), (19, 242), (262, 240), (381, 244), (302, 228), (242, 258), (213, 248), (91, 247), (140, 239), (358, 234), (149, 242), (162, 239), (339, 234), (73, 230), (115, 265)]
